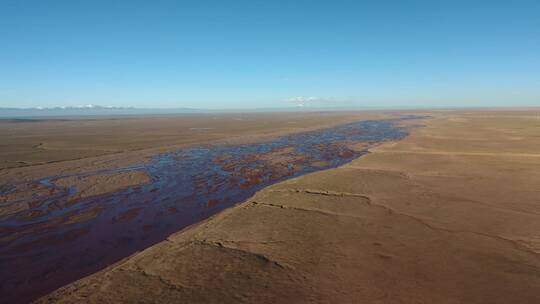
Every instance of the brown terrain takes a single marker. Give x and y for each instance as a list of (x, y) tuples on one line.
[(450, 214), (47, 241), (35, 149), (102, 183), (31, 142)]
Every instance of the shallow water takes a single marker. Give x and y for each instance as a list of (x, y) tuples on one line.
[(41, 249)]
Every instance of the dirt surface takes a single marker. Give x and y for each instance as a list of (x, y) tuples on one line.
[(27, 142), (34, 149), (65, 219), (86, 186), (134, 140), (451, 214)]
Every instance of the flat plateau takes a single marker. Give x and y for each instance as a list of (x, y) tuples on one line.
[(450, 214)]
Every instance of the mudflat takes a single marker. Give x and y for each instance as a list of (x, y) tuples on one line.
[(450, 214)]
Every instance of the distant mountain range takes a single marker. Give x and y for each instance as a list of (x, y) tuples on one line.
[(86, 107), (98, 110), (90, 110)]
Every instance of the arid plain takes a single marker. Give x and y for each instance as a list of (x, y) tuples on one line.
[(448, 214), (75, 192)]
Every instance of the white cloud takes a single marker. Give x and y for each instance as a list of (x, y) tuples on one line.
[(301, 101), (304, 99)]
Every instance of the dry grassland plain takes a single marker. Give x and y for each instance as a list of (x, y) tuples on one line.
[(450, 214), (27, 142), (32, 149), (71, 189)]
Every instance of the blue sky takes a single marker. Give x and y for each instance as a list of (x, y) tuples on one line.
[(258, 54)]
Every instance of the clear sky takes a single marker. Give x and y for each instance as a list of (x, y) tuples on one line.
[(258, 54)]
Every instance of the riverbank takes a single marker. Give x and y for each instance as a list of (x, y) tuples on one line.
[(448, 215)]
